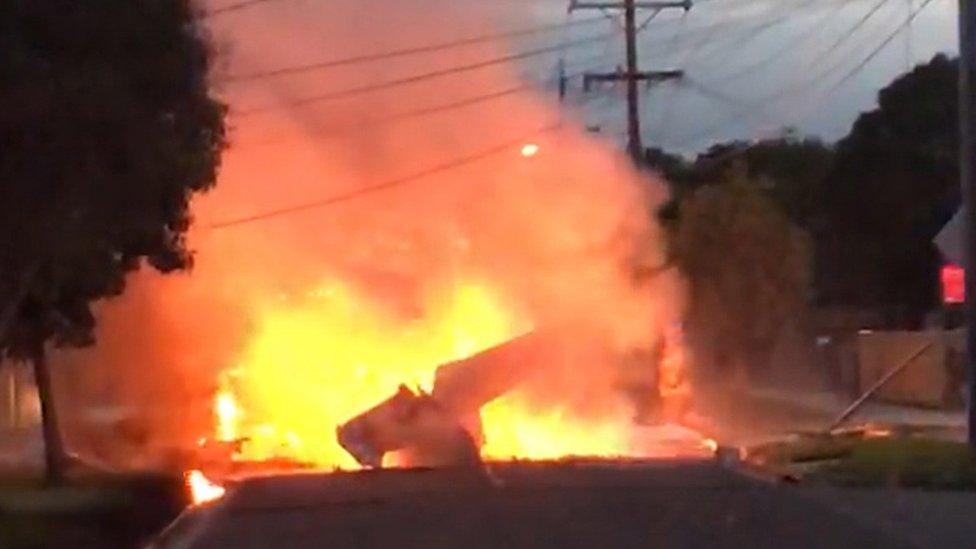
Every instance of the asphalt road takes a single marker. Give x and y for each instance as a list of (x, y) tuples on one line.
[(594, 505)]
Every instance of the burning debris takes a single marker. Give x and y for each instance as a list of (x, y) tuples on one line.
[(443, 427), (416, 426), (202, 489)]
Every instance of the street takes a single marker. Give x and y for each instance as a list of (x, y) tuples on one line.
[(610, 504)]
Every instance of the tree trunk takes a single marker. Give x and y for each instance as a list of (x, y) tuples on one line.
[(9, 311), (53, 446)]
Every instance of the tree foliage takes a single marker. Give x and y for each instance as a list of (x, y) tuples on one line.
[(747, 265), (873, 201), (108, 128), (894, 184), (790, 170)]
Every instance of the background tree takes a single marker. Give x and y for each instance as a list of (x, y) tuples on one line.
[(873, 202), (893, 185), (791, 168), (747, 265), (108, 128)]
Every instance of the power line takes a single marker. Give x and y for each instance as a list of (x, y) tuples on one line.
[(860, 23), (233, 7), (751, 32), (874, 53), (801, 38), (441, 108), (358, 90), (386, 185), (298, 69), (764, 102)]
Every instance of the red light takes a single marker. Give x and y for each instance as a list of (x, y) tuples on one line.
[(953, 284)]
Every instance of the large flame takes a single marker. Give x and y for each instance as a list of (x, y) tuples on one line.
[(319, 359), (293, 324)]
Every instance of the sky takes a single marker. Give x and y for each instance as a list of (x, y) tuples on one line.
[(758, 67), (752, 67)]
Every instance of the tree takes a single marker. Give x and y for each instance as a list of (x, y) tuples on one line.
[(108, 128), (792, 169), (873, 202), (893, 185), (747, 266)]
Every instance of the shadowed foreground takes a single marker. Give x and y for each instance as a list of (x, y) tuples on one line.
[(609, 504)]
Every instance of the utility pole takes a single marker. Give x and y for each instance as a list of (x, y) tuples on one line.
[(631, 75), (967, 161)]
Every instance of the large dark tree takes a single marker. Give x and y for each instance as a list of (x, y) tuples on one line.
[(894, 184), (107, 129)]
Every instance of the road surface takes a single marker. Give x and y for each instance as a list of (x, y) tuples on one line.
[(668, 504)]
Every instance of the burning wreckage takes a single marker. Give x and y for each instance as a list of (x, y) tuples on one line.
[(443, 427)]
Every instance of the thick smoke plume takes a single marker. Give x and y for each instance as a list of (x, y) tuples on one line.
[(488, 249)]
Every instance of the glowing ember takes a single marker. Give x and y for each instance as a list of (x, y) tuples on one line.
[(202, 490), (877, 432), (710, 444)]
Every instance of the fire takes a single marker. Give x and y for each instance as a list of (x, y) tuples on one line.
[(673, 384), (316, 361), (303, 320), (227, 414), (202, 490), (710, 444), (320, 359), (514, 430)]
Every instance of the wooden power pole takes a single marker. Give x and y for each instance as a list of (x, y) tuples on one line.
[(967, 161), (631, 75)]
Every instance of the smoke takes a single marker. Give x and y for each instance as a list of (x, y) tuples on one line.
[(554, 238)]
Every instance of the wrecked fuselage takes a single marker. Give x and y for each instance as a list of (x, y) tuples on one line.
[(442, 428)]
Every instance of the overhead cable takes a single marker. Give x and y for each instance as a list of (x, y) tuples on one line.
[(369, 88), (354, 60), (385, 185), (380, 121), (874, 53), (244, 4)]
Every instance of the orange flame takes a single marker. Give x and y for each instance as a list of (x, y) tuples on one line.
[(227, 414), (515, 430), (321, 359), (202, 489), (318, 361)]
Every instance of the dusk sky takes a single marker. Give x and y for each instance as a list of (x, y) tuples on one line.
[(752, 67), (760, 50)]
